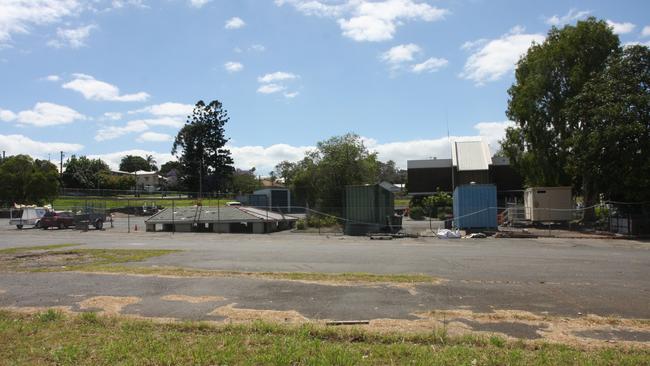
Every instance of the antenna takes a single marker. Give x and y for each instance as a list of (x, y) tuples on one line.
[(451, 152)]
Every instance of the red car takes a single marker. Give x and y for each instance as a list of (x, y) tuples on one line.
[(62, 220)]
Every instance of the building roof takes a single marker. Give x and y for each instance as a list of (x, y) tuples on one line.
[(206, 214), (471, 155), (428, 163)]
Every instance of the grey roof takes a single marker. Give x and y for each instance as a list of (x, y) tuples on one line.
[(207, 214), (471, 155), (428, 163)]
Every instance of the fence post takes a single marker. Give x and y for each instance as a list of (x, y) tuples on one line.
[(128, 216)]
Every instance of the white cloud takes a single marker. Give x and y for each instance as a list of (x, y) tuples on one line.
[(272, 83), (492, 132), (43, 114), (277, 76), (169, 109), (72, 37), (636, 43), (113, 159), (113, 132), (371, 21), (646, 31), (19, 144), (264, 159), (154, 137), (234, 23), (53, 78), (199, 3), (257, 48), (7, 115), (135, 126), (621, 28), (432, 64), (232, 66), (98, 90), (569, 17), (113, 116), (495, 58), (401, 53), (270, 88), (18, 16)]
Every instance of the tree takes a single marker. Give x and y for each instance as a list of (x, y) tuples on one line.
[(611, 123), (244, 181), (201, 144), (169, 166), (28, 181), (319, 179), (389, 172), (84, 173), (133, 163), (151, 161), (547, 78)]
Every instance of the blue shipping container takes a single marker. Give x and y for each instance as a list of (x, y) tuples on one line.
[(475, 206)]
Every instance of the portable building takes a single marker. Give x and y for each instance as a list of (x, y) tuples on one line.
[(369, 209), (475, 206), (548, 204), (277, 199)]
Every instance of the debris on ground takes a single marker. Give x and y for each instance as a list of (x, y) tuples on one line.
[(476, 236), (448, 234)]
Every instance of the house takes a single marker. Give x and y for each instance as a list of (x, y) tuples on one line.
[(144, 180), (471, 162)]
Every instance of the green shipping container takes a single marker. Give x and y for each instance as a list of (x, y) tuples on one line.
[(370, 206)]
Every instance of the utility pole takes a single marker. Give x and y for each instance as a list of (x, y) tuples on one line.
[(61, 165)]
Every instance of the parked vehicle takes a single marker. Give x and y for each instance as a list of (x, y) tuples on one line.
[(26, 216), (95, 219), (61, 220)]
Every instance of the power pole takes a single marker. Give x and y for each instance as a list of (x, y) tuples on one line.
[(61, 165)]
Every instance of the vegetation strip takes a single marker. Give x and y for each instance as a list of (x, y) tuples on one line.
[(89, 339), (31, 259)]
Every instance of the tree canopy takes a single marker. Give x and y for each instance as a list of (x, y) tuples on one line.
[(28, 181), (549, 79), (319, 179), (134, 163), (200, 146), (81, 172)]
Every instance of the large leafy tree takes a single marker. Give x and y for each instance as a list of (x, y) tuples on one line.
[(320, 177), (81, 172), (200, 146), (28, 181), (610, 120), (244, 181), (548, 77), (133, 163)]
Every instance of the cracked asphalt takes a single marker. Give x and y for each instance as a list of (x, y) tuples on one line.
[(563, 277)]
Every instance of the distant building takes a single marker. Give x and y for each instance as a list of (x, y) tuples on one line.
[(471, 161), (144, 180)]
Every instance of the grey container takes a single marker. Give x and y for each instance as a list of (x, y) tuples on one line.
[(475, 206), (368, 208)]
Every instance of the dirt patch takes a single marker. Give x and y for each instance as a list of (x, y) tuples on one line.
[(193, 299), (238, 315), (44, 259), (109, 305), (37, 309)]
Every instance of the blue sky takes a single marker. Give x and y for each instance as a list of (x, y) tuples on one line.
[(106, 78)]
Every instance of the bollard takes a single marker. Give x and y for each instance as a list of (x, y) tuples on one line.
[(136, 227)]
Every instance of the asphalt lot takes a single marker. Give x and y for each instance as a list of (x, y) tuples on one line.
[(565, 277)]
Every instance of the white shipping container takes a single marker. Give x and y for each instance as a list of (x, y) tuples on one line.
[(548, 204)]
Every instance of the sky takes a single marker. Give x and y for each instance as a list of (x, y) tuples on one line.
[(106, 78)]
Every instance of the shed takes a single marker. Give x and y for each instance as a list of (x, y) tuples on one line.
[(475, 206), (548, 204), (369, 209), (277, 199)]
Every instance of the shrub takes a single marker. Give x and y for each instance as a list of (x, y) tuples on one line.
[(417, 213), (321, 221), (301, 224)]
